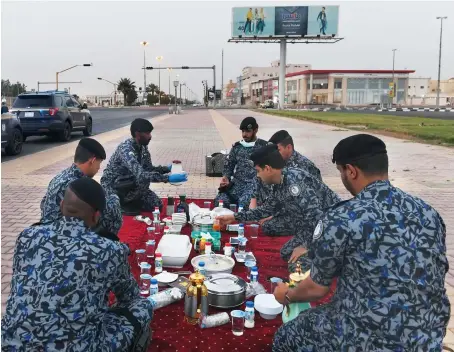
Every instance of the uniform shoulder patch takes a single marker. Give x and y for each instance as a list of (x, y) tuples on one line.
[(318, 230), (295, 190)]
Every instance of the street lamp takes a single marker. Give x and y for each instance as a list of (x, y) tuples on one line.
[(439, 58), (159, 58), (144, 44), (394, 85), (115, 88), (175, 84), (170, 73), (70, 68)]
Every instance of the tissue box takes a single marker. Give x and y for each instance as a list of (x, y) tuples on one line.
[(215, 235)]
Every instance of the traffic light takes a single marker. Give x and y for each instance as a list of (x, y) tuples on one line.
[(185, 67), (149, 67)]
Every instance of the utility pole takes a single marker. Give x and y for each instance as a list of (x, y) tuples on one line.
[(144, 44), (394, 85), (222, 79), (439, 59)]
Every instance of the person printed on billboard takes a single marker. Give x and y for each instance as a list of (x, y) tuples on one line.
[(322, 18), (249, 17), (261, 21)]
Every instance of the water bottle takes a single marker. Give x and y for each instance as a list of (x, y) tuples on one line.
[(254, 274), (241, 231), (249, 315), (156, 214), (154, 289), (202, 269), (158, 263), (240, 208)]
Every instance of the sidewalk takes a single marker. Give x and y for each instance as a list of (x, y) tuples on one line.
[(423, 170)]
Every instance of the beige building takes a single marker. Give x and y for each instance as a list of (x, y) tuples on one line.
[(446, 86)]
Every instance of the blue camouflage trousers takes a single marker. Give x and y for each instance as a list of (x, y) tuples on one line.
[(150, 200), (239, 194)]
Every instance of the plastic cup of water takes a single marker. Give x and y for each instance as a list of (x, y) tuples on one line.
[(141, 256), (145, 268), (253, 230), (242, 245), (144, 284), (233, 207), (237, 322), (249, 265), (274, 282), (207, 205)]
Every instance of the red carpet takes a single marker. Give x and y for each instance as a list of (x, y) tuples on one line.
[(171, 333)]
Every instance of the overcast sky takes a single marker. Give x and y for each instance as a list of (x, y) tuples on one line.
[(40, 38)]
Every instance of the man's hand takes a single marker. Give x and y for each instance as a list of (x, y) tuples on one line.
[(297, 252), (224, 181), (263, 220), (280, 291), (225, 219)]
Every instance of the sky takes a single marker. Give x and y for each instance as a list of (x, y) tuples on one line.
[(39, 38)]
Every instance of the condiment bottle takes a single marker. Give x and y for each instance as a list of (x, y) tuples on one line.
[(208, 247), (158, 263), (156, 214), (254, 274), (166, 230), (183, 207), (221, 204), (202, 269), (249, 315), (154, 289), (170, 206), (228, 249), (202, 245)]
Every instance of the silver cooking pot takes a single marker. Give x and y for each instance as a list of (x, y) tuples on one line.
[(225, 290), (202, 222)]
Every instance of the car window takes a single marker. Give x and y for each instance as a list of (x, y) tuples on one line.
[(33, 101), (75, 102), (69, 102), (58, 101)]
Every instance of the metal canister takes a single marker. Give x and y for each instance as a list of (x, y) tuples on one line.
[(196, 300)]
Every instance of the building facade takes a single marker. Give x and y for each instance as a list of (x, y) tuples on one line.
[(105, 100)]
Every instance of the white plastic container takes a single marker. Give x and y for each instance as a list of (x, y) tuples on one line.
[(267, 306), (177, 167), (175, 250)]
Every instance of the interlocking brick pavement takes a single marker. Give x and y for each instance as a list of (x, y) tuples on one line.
[(423, 170)]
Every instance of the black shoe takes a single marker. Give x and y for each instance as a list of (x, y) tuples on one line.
[(132, 208)]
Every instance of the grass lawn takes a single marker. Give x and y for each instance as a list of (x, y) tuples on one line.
[(424, 129)]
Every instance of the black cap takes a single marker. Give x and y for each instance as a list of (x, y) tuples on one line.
[(90, 192), (279, 136), (359, 146), (249, 123), (268, 155), (94, 147), (141, 125)]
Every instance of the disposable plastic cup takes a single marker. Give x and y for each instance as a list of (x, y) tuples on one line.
[(233, 208), (141, 256), (253, 230), (274, 282), (237, 322), (207, 205)]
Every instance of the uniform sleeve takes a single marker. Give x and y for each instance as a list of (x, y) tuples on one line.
[(230, 163), (141, 175), (329, 246), (261, 212), (125, 286), (50, 204), (148, 165)]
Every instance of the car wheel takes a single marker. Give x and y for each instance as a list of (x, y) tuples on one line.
[(24, 138), (65, 135), (14, 147), (88, 131)]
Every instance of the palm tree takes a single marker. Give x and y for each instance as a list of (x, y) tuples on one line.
[(125, 85), (152, 88)]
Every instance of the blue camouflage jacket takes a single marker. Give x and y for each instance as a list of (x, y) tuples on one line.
[(62, 274), (132, 160), (388, 250), (302, 196)]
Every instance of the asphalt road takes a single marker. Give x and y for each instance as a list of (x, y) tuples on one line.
[(104, 120)]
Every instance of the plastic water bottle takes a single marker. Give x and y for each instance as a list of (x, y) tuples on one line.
[(154, 289), (207, 248), (249, 315), (254, 274), (202, 269), (156, 214), (240, 208), (241, 231), (158, 263)]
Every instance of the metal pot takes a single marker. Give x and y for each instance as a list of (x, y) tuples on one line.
[(225, 290), (202, 222)]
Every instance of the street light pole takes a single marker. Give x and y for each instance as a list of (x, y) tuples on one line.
[(439, 58), (394, 85), (115, 88), (159, 58), (144, 44), (170, 73), (175, 83), (70, 68)]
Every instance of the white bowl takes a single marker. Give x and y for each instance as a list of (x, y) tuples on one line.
[(268, 316), (267, 306)]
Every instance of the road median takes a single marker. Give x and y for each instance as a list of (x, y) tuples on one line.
[(434, 131)]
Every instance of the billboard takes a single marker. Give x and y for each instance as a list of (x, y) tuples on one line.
[(281, 21)]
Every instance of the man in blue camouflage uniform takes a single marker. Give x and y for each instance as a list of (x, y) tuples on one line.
[(63, 273), (280, 224), (87, 160), (388, 252), (130, 171), (303, 196), (239, 180)]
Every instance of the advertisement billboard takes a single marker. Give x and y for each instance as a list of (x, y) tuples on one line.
[(281, 21)]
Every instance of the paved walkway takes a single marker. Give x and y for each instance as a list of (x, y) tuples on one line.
[(423, 170)]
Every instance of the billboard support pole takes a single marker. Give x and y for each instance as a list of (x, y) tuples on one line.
[(214, 86), (282, 69), (222, 79)]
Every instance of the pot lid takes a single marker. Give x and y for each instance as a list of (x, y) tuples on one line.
[(214, 263), (225, 284), (203, 219)]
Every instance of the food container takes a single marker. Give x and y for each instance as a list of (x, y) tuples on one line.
[(175, 250), (202, 222), (175, 229), (225, 290), (267, 306), (214, 264)]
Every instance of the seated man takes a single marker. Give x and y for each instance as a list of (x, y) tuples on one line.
[(388, 252), (62, 275), (302, 196), (279, 224), (87, 160), (130, 171), (239, 180)]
